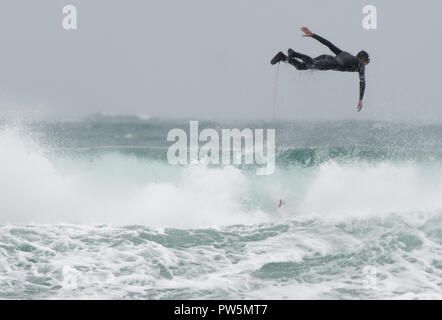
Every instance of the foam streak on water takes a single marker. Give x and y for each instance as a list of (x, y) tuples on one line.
[(293, 259)]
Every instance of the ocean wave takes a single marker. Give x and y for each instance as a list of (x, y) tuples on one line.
[(42, 186), (115, 222)]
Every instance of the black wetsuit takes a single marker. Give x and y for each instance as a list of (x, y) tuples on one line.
[(343, 61)]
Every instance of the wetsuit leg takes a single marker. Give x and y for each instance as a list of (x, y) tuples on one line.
[(325, 62), (308, 60), (298, 64)]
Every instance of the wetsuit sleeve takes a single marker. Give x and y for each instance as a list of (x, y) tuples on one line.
[(327, 43), (361, 83)]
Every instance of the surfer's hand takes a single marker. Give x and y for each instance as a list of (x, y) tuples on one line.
[(307, 32), (359, 105)]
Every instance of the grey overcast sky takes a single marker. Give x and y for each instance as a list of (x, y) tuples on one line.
[(210, 59)]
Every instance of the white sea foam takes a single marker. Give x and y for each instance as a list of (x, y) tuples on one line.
[(363, 190), (38, 189), (119, 189)]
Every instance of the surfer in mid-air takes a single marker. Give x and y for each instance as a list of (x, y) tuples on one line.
[(342, 61)]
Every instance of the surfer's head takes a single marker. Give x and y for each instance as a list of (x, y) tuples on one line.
[(364, 57)]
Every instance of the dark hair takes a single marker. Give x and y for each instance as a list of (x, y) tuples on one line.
[(363, 55)]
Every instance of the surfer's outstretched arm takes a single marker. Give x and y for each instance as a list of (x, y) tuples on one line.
[(331, 46), (361, 87)]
